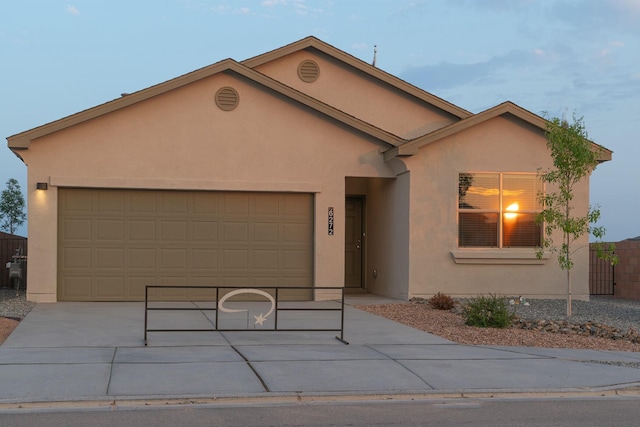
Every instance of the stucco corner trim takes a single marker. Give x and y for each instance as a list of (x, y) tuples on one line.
[(498, 256)]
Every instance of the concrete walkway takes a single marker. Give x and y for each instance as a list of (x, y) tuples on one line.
[(69, 352)]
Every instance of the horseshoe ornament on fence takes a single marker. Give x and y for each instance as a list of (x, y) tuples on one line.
[(261, 317)]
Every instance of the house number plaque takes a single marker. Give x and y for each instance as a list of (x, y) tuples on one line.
[(330, 221)]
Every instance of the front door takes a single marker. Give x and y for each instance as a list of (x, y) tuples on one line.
[(354, 235)]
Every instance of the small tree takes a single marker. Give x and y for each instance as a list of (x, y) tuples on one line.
[(12, 205), (574, 158)]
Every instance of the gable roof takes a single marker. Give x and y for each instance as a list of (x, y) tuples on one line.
[(395, 145), (312, 43), (505, 109), (22, 140)]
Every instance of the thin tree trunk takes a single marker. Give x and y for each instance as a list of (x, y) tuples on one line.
[(569, 292), (567, 254)]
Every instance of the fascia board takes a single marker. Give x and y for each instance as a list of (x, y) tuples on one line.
[(412, 146), (22, 140), (508, 107)]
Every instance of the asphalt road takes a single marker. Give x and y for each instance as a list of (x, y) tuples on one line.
[(565, 412)]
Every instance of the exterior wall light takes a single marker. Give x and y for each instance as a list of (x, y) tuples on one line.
[(42, 186)]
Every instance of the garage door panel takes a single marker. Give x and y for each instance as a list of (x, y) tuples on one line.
[(142, 202), (112, 243), (206, 231), (296, 205), (265, 259), (202, 258), (110, 229), (295, 232), (141, 258), (111, 201), (265, 232), (80, 201), (78, 288), (110, 287), (77, 258), (173, 259), (236, 203), (78, 229), (265, 205), (136, 285), (296, 260), (174, 202), (173, 231), (142, 230), (110, 258), (235, 259), (235, 232), (205, 203)]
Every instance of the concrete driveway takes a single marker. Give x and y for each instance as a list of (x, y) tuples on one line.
[(96, 352)]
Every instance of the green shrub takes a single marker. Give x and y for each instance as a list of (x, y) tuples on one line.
[(488, 312), (441, 301)]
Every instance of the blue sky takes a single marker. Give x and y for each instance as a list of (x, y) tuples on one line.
[(554, 56)]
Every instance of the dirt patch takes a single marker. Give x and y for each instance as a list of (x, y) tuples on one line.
[(6, 327)]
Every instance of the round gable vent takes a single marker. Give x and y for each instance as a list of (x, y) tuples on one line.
[(227, 98), (308, 71)]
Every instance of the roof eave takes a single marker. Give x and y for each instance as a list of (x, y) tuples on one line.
[(23, 140)]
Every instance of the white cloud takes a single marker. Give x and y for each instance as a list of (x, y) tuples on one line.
[(243, 11), (299, 6), (359, 46), (271, 3), (72, 10)]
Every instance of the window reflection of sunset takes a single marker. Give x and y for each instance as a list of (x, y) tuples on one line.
[(482, 191), (511, 211)]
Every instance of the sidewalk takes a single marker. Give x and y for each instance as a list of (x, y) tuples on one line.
[(68, 352)]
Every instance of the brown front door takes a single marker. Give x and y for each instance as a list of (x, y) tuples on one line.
[(354, 235)]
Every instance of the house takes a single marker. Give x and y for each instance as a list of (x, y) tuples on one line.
[(303, 166)]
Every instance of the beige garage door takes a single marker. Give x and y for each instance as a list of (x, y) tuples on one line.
[(114, 242)]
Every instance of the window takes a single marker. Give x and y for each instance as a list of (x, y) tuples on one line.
[(498, 210)]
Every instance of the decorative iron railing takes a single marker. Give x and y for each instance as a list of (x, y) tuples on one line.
[(225, 294)]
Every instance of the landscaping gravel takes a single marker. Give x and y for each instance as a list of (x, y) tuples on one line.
[(619, 313), (12, 305)]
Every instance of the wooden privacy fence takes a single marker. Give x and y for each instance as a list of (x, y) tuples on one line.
[(12, 249), (602, 275)]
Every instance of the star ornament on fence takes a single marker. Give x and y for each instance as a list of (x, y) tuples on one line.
[(260, 319)]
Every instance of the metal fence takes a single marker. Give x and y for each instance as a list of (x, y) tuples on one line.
[(601, 275), (225, 294)]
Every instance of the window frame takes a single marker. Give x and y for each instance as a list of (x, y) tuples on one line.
[(501, 212)]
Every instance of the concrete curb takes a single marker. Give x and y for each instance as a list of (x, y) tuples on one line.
[(121, 403)]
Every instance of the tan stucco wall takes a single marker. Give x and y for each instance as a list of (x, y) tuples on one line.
[(353, 92), (498, 145), (181, 140)]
